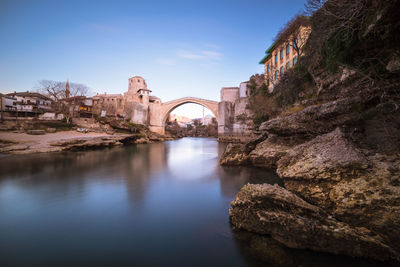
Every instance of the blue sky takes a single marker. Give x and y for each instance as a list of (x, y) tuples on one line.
[(181, 48)]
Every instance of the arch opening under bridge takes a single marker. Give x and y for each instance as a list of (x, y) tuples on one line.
[(158, 123)]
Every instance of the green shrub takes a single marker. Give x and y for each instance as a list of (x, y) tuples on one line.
[(293, 85)]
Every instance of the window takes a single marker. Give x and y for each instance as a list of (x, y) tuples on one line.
[(138, 81), (276, 58), (288, 65), (281, 53), (294, 42), (294, 60), (276, 74), (287, 49), (268, 82), (267, 68), (281, 70)]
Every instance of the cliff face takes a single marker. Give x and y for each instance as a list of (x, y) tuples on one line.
[(340, 164)]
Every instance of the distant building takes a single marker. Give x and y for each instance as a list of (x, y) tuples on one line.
[(8, 103), (112, 104), (78, 106), (133, 104), (29, 102), (282, 54)]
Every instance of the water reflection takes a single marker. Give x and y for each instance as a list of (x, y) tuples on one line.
[(158, 204)]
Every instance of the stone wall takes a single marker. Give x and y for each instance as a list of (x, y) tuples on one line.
[(225, 117), (139, 113), (234, 119), (229, 94)]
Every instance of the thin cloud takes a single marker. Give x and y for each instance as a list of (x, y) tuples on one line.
[(206, 54), (189, 54), (212, 54)]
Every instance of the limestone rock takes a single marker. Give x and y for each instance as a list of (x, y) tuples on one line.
[(394, 64), (316, 119), (330, 156), (267, 153), (273, 210), (356, 187), (234, 155)]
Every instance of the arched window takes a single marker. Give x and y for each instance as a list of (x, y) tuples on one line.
[(287, 65)]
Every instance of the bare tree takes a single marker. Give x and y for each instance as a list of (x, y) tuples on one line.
[(57, 91), (295, 33), (52, 89)]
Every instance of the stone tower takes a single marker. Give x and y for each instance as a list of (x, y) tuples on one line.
[(67, 92), (135, 84)]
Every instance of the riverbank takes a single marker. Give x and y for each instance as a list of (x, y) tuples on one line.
[(339, 163), (23, 143)]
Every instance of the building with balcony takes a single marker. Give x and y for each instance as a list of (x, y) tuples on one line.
[(30, 103)]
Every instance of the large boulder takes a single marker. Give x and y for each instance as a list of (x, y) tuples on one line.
[(357, 187), (273, 210)]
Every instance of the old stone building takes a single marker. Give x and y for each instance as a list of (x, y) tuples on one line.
[(110, 104), (133, 105)]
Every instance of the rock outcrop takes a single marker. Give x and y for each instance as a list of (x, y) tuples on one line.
[(340, 167), (316, 119), (273, 210)]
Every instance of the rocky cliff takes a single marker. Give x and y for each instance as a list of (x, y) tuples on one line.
[(340, 166)]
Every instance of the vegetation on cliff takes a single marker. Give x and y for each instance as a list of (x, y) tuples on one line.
[(349, 39)]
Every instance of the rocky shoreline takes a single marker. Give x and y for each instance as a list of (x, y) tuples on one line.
[(84, 134), (20, 143), (341, 176)]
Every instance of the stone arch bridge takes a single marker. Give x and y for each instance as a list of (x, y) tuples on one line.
[(159, 113)]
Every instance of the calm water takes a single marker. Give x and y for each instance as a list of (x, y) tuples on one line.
[(163, 204)]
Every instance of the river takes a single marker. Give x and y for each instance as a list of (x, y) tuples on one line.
[(162, 204)]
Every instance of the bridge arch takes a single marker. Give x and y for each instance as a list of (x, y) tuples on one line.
[(169, 106), (160, 115)]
